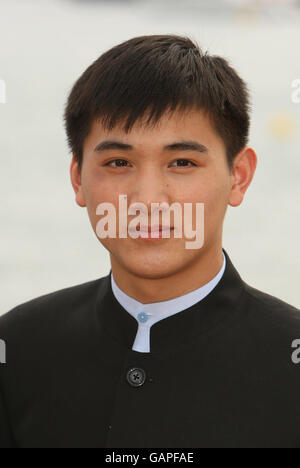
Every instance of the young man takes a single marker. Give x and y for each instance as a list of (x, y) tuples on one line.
[(172, 348)]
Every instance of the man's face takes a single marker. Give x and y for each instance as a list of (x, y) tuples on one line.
[(150, 173)]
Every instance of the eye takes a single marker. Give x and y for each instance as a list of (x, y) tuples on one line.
[(116, 161), (185, 161), (123, 163)]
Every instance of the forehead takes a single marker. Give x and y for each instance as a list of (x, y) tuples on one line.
[(192, 124)]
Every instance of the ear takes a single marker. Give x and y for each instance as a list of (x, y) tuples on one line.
[(243, 170), (75, 176)]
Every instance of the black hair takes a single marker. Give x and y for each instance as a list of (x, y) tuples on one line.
[(152, 75)]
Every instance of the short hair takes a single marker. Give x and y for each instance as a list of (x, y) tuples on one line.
[(158, 74)]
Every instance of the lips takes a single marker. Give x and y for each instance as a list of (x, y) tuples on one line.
[(146, 233), (156, 228)]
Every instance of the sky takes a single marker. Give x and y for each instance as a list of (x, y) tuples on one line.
[(47, 241)]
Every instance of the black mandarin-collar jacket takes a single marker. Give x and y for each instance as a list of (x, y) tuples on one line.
[(219, 373)]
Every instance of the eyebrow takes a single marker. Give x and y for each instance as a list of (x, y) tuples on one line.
[(185, 145)]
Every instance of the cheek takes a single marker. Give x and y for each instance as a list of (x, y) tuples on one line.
[(212, 190), (102, 192), (217, 201), (97, 189)]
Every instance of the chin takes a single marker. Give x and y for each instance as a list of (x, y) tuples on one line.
[(151, 269), (153, 273)]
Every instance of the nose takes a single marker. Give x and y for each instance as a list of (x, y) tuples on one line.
[(150, 187)]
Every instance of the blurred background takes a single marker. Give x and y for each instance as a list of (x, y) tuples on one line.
[(47, 242)]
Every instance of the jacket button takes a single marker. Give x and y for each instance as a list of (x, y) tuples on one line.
[(136, 376)]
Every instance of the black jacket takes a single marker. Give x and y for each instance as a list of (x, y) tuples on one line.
[(219, 373)]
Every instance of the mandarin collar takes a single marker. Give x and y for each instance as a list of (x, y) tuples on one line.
[(159, 310), (176, 330)]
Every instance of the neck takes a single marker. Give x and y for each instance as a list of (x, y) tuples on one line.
[(148, 290)]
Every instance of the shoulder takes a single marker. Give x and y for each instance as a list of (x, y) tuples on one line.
[(49, 309), (270, 304), (270, 313)]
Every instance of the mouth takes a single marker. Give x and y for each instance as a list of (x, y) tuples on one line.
[(153, 233), (156, 228)]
